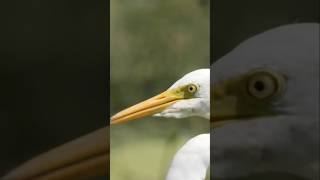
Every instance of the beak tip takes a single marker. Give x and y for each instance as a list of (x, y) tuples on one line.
[(115, 120)]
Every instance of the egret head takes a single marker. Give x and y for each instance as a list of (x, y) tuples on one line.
[(270, 85), (189, 96), (275, 75)]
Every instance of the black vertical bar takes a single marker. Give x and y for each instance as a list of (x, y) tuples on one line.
[(54, 72)]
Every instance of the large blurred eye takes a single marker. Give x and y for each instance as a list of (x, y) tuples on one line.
[(264, 84), (192, 88)]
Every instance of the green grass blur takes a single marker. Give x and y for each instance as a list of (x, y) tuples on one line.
[(153, 44)]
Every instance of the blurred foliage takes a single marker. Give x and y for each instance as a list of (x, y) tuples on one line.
[(153, 44)]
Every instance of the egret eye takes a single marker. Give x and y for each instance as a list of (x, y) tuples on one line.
[(264, 84), (192, 88)]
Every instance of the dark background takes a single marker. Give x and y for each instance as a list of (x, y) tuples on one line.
[(53, 74), (234, 21)]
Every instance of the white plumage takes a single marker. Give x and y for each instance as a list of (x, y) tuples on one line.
[(192, 160)]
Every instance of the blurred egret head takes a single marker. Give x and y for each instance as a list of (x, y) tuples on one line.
[(270, 85), (270, 75), (255, 93), (189, 96)]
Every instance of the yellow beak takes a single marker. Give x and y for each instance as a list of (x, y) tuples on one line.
[(151, 106)]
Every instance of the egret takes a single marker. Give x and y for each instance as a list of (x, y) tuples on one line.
[(187, 97), (258, 85), (268, 84)]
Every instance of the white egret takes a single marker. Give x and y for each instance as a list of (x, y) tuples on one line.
[(189, 96), (270, 85)]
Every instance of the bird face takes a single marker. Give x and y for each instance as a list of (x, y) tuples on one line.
[(252, 94), (271, 84), (189, 96), (272, 74)]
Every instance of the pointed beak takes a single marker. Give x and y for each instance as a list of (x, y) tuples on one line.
[(148, 107), (85, 157)]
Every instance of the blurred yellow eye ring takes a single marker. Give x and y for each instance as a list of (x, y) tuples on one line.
[(192, 88), (265, 84)]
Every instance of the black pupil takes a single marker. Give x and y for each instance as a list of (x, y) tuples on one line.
[(259, 85), (191, 88)]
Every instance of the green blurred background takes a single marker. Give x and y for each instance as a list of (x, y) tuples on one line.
[(153, 44)]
